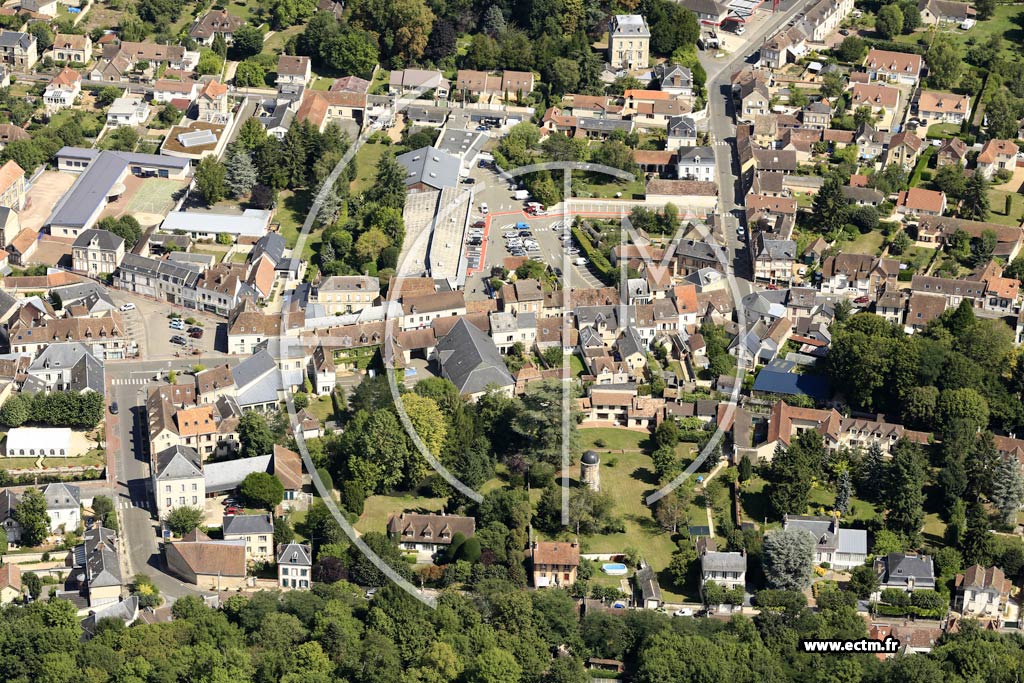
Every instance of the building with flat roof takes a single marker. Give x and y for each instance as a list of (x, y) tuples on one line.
[(251, 223)]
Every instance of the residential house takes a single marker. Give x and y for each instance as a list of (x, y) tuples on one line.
[(128, 111), (293, 74), (695, 163), (871, 142), (773, 259), (419, 312), (167, 91), (905, 571), (894, 67), (257, 531), (340, 294), (682, 132), (71, 47), (882, 100), (953, 290), (940, 107), (157, 278), (922, 308), (62, 90), (105, 336), (817, 115), (96, 252), (858, 274), (294, 565), (208, 564), (12, 186), (785, 46), (178, 480), (1001, 295), (841, 549), (18, 50), (63, 507), (944, 12), (10, 583), (727, 569), (674, 79), (983, 593), (419, 81), (212, 104), (95, 570), (629, 42), (555, 563), (995, 156), (754, 100), (509, 85), (428, 533), (215, 23), (904, 150), (709, 12), (9, 133), (952, 152), (65, 366), (920, 202), (891, 305)]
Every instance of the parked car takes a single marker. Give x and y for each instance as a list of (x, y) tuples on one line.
[(194, 328), (127, 307), (479, 224), (468, 181), (232, 510), (113, 408), (522, 225), (195, 334), (861, 300), (179, 340), (684, 612), (177, 324), (483, 208), (525, 233)]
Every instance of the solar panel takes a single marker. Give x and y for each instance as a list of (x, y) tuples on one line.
[(197, 138)]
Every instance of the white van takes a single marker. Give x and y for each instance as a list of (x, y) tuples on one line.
[(579, 261)]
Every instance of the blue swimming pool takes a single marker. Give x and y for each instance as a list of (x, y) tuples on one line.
[(614, 568)]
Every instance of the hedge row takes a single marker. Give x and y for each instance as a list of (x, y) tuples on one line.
[(597, 259)]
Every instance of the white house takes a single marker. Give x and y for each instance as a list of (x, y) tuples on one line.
[(64, 507), (695, 163), (127, 111), (256, 530), (36, 442), (294, 565), (726, 569), (62, 90)]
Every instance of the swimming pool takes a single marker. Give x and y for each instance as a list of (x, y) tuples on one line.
[(614, 568)]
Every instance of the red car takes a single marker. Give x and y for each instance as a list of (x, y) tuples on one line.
[(232, 510), (861, 300), (771, 287)]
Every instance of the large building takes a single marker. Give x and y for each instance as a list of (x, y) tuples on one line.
[(178, 480), (629, 42), (97, 252)]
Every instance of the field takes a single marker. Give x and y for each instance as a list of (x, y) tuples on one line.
[(867, 243), (612, 439), (598, 185), (322, 408), (90, 459), (377, 508), (366, 166), (997, 206), (154, 196), (576, 365), (1007, 22), (629, 478)]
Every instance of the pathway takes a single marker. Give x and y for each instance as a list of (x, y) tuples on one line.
[(711, 517)]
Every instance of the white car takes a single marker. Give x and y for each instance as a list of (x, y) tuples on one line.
[(684, 612), (483, 208), (580, 261), (127, 307), (572, 251), (509, 234)]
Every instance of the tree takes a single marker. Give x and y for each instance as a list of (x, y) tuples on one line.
[(106, 96), (494, 665), (792, 471), (427, 421), (185, 519), (904, 500), (975, 202), (975, 544), (1007, 489), (889, 21), (33, 584), (788, 559), (31, 516), (239, 173), (852, 49), (254, 435), (211, 180), (210, 62), (351, 51), (250, 74), (43, 34), (1002, 114), (951, 180), (863, 581), (830, 206), (671, 510), (967, 405), (844, 489), (247, 41), (260, 489), (984, 9), (126, 227), (103, 509), (900, 243), (15, 411), (146, 591), (945, 63)]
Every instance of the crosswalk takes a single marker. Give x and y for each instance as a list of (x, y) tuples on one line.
[(126, 504), (129, 381)]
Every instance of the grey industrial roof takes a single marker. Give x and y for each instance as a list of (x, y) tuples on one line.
[(248, 524), (470, 359), (253, 368), (249, 223), (430, 166), (178, 462), (461, 143), (228, 474), (89, 191)]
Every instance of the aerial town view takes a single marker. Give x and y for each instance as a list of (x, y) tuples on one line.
[(528, 341)]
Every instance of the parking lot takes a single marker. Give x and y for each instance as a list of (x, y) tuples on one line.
[(149, 325)]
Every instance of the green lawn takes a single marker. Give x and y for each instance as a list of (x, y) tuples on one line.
[(997, 207), (292, 208), (612, 439), (366, 166), (629, 481), (599, 185), (244, 9), (942, 131), (275, 43), (917, 257), (219, 255), (377, 508), (322, 408), (1005, 22), (239, 257), (576, 365), (92, 458), (322, 83), (867, 243)]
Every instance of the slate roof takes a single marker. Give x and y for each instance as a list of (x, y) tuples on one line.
[(430, 166), (294, 553), (227, 475), (470, 360), (178, 462), (714, 560), (248, 524), (61, 496)]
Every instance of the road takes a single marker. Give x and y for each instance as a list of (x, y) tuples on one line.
[(723, 131), (128, 383)]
